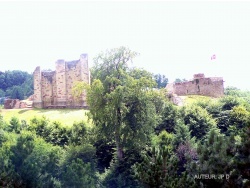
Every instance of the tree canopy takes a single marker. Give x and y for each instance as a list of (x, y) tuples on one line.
[(16, 84), (120, 99)]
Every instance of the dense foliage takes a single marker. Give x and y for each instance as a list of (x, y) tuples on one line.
[(15, 85), (135, 137)]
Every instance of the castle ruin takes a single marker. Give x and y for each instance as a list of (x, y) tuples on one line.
[(199, 85), (53, 89)]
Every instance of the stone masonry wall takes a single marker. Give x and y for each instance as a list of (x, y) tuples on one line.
[(37, 97), (54, 88), (73, 74), (61, 82), (200, 85), (47, 87), (85, 74)]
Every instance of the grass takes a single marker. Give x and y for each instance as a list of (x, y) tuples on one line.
[(66, 116), (189, 99)]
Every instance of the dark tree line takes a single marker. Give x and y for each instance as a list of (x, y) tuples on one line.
[(15, 84)]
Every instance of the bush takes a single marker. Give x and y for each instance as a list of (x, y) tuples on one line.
[(78, 167), (53, 133), (78, 174), (78, 133), (198, 120)]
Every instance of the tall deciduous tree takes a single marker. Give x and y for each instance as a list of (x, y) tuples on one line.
[(121, 104)]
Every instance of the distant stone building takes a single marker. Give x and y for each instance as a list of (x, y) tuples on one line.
[(53, 89), (199, 85)]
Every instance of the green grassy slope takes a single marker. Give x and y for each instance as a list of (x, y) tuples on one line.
[(189, 99), (66, 116)]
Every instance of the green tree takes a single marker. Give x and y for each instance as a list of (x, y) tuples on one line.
[(78, 167), (178, 80), (138, 73), (159, 167), (198, 120), (169, 118), (16, 84), (7, 170), (2, 93), (77, 174), (120, 104), (78, 89), (215, 157), (78, 133), (15, 92), (242, 157), (28, 161), (161, 80), (54, 132), (239, 118), (228, 102), (15, 125)]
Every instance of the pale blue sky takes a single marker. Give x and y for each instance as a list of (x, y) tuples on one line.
[(173, 38)]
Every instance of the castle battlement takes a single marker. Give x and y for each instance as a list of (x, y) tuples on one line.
[(199, 85)]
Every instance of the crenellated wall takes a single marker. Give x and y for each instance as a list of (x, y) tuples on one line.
[(54, 88), (200, 85)]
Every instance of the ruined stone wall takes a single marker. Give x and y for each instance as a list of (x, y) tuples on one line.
[(212, 87), (73, 74), (47, 87), (17, 104), (199, 86), (37, 97), (61, 82), (85, 75), (54, 88)]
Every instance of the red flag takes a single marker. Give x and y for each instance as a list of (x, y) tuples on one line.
[(213, 57)]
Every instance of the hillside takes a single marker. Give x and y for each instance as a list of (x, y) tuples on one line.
[(194, 98), (189, 99), (65, 116)]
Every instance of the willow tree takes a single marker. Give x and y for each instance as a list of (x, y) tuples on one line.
[(121, 104)]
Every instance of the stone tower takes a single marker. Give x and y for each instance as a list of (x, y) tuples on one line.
[(53, 89)]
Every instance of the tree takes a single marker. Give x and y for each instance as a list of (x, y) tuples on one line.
[(2, 93), (159, 166), (78, 174), (78, 133), (215, 157), (120, 104), (15, 125), (161, 80), (138, 73), (15, 92), (242, 157), (198, 120), (16, 84), (178, 80), (157, 169), (78, 167), (78, 89), (169, 118)]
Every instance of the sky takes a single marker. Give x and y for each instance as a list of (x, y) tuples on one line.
[(174, 38)]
